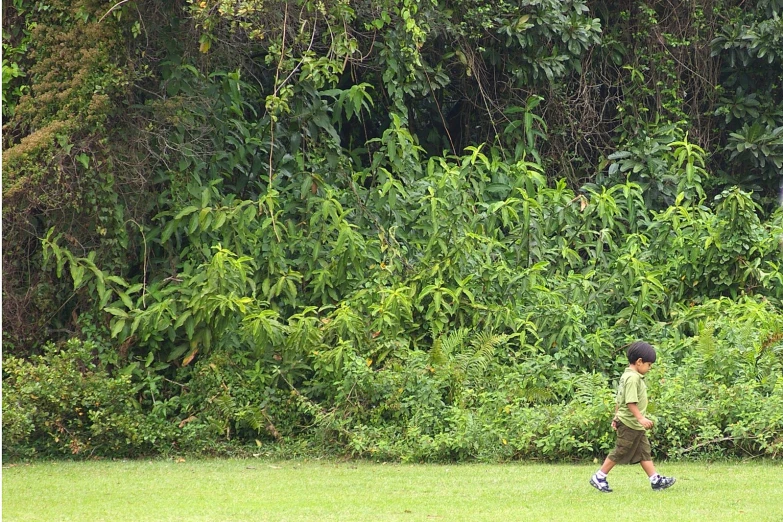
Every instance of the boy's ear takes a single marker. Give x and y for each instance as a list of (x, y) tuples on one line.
[(639, 361)]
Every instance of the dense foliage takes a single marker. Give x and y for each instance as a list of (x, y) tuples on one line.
[(411, 230)]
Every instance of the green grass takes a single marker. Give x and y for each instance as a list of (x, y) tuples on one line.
[(321, 491)]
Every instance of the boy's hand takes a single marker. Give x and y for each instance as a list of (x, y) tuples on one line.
[(644, 421), (614, 424)]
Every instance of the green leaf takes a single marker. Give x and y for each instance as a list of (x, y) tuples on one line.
[(117, 280), (185, 212), (190, 327), (168, 230), (219, 220), (117, 312), (119, 324), (126, 300), (83, 159), (129, 369), (177, 352), (182, 318), (77, 274)]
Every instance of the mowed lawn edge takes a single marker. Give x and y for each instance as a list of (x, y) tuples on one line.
[(229, 490)]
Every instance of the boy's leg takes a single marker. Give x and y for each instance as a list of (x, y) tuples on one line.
[(607, 466), (658, 482), (648, 467), (598, 480)]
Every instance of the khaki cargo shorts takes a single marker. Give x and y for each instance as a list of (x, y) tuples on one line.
[(632, 446)]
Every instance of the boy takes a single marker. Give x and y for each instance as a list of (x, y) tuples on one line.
[(630, 421)]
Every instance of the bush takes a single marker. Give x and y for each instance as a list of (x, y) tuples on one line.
[(723, 398), (64, 402), (715, 392)]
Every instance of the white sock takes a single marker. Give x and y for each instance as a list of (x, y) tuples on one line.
[(600, 475), (654, 478)]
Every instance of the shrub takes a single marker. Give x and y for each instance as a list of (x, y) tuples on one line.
[(64, 402)]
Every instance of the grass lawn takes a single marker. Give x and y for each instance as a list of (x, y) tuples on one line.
[(320, 491)]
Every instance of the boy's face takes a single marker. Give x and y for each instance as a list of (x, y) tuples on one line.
[(641, 366)]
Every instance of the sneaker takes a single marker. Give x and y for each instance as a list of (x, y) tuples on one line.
[(663, 483), (600, 484)]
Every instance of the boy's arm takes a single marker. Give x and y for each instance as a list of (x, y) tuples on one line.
[(644, 421), (614, 417)]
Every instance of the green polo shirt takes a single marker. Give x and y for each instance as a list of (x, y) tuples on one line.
[(631, 389)]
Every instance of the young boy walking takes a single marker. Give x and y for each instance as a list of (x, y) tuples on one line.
[(630, 421)]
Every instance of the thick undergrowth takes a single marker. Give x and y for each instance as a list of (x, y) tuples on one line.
[(401, 230)]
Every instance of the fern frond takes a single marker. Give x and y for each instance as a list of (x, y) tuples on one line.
[(444, 347), (454, 341), (484, 345), (707, 340), (537, 394), (589, 387), (437, 356)]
